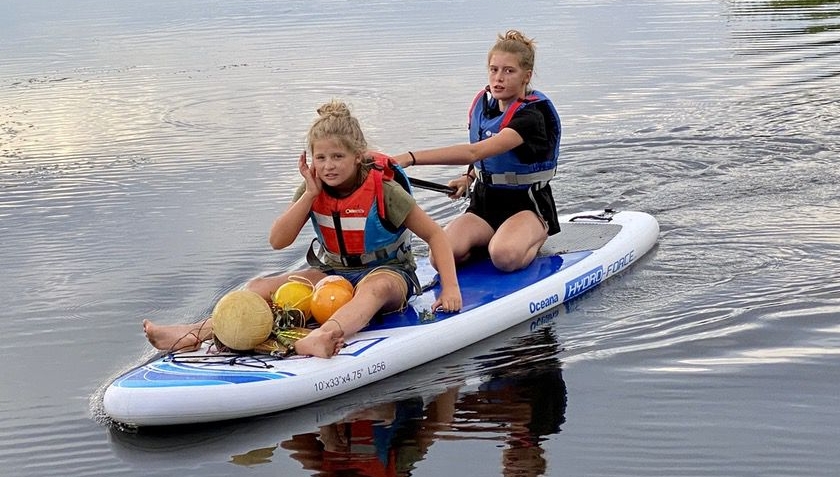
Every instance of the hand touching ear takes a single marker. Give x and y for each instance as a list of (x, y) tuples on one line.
[(313, 182)]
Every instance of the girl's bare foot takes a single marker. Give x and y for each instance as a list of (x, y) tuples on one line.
[(173, 337), (321, 343)]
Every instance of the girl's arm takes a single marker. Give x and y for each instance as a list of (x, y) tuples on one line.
[(463, 154), (427, 229), (287, 227)]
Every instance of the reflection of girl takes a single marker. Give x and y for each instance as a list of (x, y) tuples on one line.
[(381, 441), (525, 408), (523, 402), (526, 401)]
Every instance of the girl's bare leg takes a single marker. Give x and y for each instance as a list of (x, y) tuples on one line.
[(186, 337), (466, 232), (266, 286), (375, 292), (516, 243)]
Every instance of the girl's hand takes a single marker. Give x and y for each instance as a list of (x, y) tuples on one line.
[(461, 186), (313, 182), (449, 300)]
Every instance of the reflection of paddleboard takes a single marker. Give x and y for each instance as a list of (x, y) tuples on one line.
[(202, 387)]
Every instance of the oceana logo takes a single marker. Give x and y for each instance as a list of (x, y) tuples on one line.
[(547, 302)]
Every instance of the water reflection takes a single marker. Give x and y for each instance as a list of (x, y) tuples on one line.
[(507, 391), (812, 16), (793, 40), (805, 9), (517, 405)]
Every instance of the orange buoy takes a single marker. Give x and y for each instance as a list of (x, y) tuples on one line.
[(336, 279), (329, 297)]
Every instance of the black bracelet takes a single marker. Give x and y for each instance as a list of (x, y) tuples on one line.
[(413, 159)]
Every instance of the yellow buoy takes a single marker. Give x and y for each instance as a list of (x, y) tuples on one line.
[(294, 294), (242, 319)]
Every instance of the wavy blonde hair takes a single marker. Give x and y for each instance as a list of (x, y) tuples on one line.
[(335, 122)]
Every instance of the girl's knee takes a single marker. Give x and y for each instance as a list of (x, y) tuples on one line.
[(508, 258), (261, 286), (381, 284), (506, 262), (385, 287)]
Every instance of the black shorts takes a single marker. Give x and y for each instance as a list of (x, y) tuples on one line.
[(495, 204)]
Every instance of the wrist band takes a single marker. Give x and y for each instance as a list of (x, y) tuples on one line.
[(413, 159)]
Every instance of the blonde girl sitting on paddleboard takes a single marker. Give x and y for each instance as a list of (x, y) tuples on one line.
[(363, 218)]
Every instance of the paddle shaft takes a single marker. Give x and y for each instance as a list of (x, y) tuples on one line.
[(433, 186)]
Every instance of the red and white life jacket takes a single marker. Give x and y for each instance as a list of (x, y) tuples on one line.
[(353, 230)]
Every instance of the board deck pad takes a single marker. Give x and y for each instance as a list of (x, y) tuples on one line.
[(480, 283), (577, 236)]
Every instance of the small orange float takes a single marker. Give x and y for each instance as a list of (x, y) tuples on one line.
[(331, 293), (335, 279)]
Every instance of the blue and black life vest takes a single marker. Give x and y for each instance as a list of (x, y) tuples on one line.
[(506, 170)]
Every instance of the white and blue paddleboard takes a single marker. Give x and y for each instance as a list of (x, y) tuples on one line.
[(203, 386)]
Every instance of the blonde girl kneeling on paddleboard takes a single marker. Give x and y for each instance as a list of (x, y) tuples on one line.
[(512, 155)]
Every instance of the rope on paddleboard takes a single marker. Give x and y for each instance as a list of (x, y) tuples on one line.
[(232, 359)]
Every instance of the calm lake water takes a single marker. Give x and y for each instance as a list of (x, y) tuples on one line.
[(145, 149)]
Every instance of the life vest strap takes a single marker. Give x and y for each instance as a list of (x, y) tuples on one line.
[(513, 179), (319, 257)]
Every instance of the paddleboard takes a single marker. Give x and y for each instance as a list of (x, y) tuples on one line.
[(475, 373), (204, 386)]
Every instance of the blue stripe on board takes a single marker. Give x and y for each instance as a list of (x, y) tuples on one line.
[(167, 374)]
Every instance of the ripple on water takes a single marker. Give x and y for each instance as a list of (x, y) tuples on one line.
[(53, 442), (757, 280)]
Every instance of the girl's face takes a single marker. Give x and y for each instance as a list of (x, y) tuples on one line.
[(335, 165), (507, 79)]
